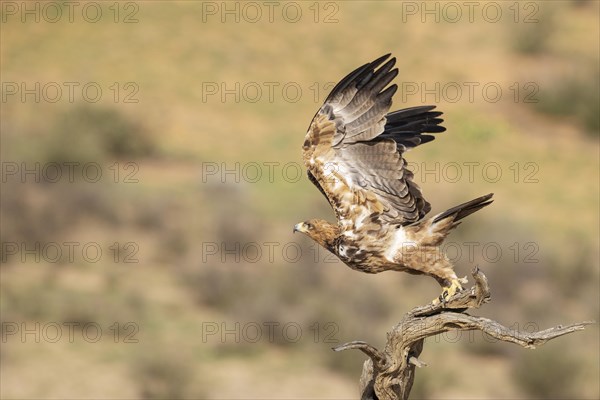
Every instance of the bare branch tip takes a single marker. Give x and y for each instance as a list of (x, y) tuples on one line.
[(416, 362)]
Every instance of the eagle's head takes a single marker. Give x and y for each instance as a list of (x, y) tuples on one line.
[(320, 231)]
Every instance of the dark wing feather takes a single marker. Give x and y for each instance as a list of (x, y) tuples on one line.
[(354, 149)]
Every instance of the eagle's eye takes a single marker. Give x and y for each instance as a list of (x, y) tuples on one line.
[(309, 225)]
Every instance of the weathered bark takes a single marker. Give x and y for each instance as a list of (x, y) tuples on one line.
[(389, 374)]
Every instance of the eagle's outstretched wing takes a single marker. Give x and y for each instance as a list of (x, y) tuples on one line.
[(353, 149)]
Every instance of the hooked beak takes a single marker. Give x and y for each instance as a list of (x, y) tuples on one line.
[(298, 227)]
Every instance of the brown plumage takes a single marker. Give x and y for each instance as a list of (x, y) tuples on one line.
[(353, 152)]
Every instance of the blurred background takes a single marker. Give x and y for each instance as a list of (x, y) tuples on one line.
[(151, 177)]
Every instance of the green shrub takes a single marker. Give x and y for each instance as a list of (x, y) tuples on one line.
[(575, 95), (87, 133), (534, 30)]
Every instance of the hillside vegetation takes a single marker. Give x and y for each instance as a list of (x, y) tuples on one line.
[(184, 172)]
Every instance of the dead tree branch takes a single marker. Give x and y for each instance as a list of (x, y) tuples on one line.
[(389, 374)]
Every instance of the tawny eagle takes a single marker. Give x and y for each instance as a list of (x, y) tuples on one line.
[(354, 151)]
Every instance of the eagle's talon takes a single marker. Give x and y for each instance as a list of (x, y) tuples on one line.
[(450, 291), (441, 299)]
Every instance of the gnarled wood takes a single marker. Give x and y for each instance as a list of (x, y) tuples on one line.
[(389, 374)]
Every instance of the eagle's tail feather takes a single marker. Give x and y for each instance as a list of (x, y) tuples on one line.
[(461, 211)]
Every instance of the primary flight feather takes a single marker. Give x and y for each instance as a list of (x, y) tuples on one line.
[(354, 154)]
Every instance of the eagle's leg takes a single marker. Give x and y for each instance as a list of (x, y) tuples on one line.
[(439, 267), (450, 284), (450, 290)]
